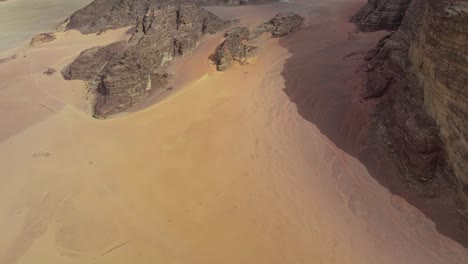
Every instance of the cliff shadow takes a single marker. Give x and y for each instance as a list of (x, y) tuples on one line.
[(323, 78)]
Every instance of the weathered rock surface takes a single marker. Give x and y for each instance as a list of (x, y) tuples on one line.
[(381, 14), (125, 73), (101, 15), (92, 61), (235, 47), (42, 38), (421, 75), (284, 23)]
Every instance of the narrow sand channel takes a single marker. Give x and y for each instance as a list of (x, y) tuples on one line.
[(225, 170)]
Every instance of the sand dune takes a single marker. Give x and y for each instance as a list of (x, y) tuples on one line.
[(225, 170)]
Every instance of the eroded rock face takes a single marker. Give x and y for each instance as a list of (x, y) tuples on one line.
[(101, 15), (125, 73), (381, 14), (236, 48), (421, 75), (284, 23)]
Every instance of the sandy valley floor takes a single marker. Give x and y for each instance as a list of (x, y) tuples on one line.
[(225, 170)]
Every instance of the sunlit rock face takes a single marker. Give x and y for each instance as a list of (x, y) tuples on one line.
[(421, 73)]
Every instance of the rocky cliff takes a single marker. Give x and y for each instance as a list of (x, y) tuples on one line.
[(420, 74), (381, 14)]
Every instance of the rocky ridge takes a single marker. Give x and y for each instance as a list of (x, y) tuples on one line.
[(236, 47), (381, 14), (101, 15), (420, 75), (125, 73)]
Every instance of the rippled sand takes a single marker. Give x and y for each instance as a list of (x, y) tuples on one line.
[(225, 170)]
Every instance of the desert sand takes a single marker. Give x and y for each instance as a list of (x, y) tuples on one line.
[(225, 170), (22, 19)]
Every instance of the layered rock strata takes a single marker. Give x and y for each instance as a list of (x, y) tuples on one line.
[(420, 74), (381, 14)]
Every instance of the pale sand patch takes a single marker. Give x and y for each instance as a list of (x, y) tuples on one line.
[(223, 171), (28, 95)]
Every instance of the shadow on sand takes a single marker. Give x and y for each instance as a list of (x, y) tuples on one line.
[(321, 78)]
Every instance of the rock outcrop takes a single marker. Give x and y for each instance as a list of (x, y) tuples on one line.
[(381, 14), (102, 15), (42, 38), (236, 47), (420, 74), (125, 73), (284, 23)]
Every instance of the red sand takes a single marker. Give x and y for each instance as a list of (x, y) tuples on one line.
[(225, 170)]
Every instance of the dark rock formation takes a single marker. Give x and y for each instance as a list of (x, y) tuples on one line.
[(235, 47), (284, 23), (125, 73), (381, 14), (92, 61), (420, 74), (101, 15), (42, 38)]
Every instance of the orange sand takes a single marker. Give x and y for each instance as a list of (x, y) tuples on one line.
[(27, 95), (223, 171)]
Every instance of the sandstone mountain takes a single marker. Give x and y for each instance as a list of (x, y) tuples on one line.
[(420, 74)]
